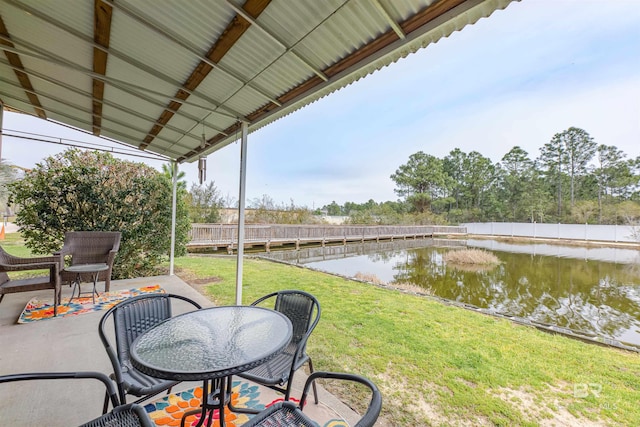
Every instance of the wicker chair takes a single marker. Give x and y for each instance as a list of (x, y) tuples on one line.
[(303, 310), (13, 263), (285, 413), (131, 415), (90, 247), (132, 318)]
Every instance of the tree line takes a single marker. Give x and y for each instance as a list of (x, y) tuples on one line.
[(572, 180)]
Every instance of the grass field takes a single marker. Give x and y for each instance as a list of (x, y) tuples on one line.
[(441, 365)]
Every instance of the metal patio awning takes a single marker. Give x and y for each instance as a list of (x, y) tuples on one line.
[(182, 79), (157, 75)]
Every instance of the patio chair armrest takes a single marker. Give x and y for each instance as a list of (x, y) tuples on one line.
[(375, 404), (61, 256), (111, 256), (111, 390), (64, 250), (14, 259), (111, 353), (35, 263)]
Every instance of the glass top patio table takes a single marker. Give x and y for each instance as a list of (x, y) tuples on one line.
[(211, 343)]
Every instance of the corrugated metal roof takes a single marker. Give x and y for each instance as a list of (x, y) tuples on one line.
[(175, 67)]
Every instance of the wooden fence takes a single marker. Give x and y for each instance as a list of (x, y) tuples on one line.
[(220, 236)]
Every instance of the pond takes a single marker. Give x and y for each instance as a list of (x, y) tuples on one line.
[(592, 291)]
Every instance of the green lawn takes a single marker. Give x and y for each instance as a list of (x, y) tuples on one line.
[(14, 244), (442, 365)]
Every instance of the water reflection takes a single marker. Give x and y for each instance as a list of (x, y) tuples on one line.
[(584, 294)]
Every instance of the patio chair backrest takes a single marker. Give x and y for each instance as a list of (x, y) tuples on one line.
[(302, 309), (134, 317), (298, 307), (89, 247)]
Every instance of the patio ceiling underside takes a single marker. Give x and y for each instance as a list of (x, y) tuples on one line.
[(159, 75)]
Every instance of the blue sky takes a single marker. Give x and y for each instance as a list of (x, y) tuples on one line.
[(516, 78)]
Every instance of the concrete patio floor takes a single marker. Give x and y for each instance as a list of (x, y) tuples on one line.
[(72, 344)]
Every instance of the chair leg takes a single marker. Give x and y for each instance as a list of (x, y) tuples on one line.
[(315, 388), (233, 408), (105, 406)]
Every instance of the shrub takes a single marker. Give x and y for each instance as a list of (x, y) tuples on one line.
[(471, 256), (93, 191)]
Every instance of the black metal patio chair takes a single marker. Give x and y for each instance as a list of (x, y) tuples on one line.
[(303, 310), (285, 414), (132, 318), (130, 415)]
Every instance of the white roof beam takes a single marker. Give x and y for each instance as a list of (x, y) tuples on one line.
[(120, 84), (163, 31), (83, 109), (387, 16), (287, 49), (116, 106), (112, 104)]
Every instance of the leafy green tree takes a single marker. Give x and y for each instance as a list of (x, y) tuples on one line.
[(363, 217), (380, 213), (349, 207), (333, 209), (7, 176), (584, 212), (634, 184), (204, 203), (263, 210), (420, 180), (478, 178), (580, 149), (610, 171), (167, 171), (553, 159), (516, 175), (535, 200), (93, 191), (453, 166)]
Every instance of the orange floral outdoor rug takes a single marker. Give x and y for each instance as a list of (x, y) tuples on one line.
[(43, 309), (168, 411)]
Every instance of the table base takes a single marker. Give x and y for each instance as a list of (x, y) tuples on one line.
[(76, 284), (217, 398)]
